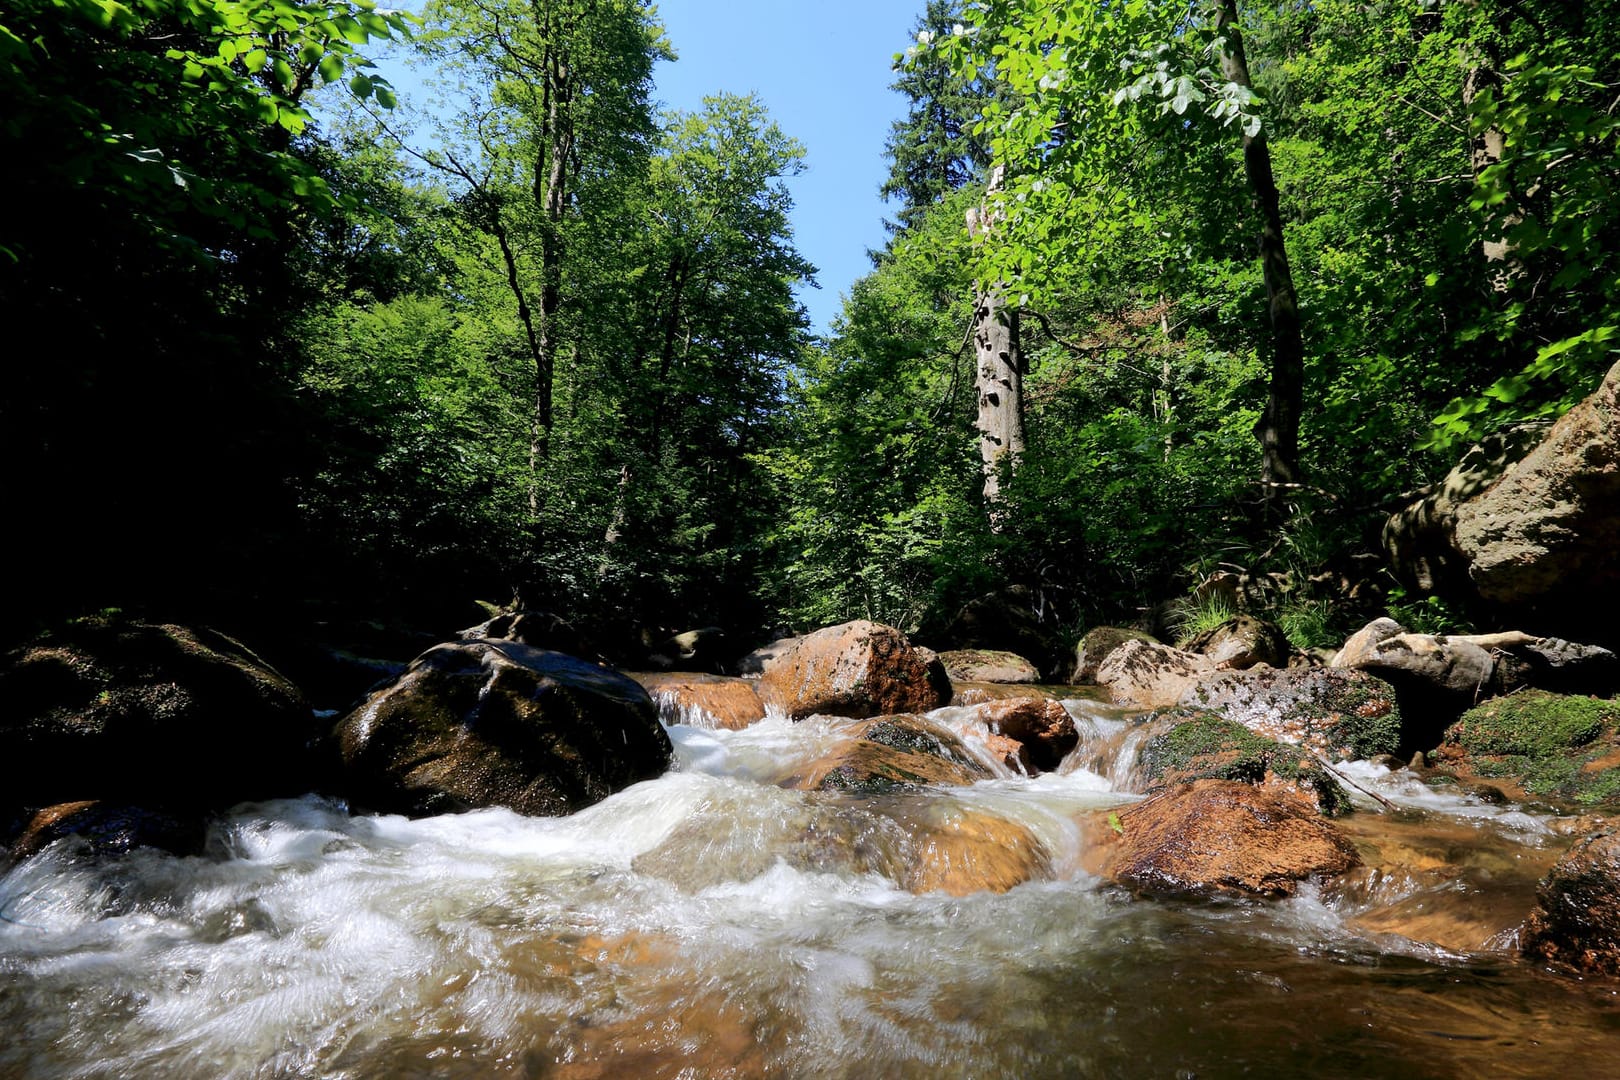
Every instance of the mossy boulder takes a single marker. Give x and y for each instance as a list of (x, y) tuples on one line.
[(1334, 713), (1554, 746), (1205, 746)]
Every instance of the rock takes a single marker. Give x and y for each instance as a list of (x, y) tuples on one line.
[(1006, 619), (707, 701), (497, 723), (761, 659), (1222, 837), (1043, 730), (1552, 746), (1242, 642), (691, 650), (1577, 924), (1095, 647), (1454, 669), (1363, 641), (1335, 713), (1562, 667), (1147, 675), (857, 669), (142, 713), (961, 851), (110, 829), (537, 629), (1192, 745), (888, 754), (988, 665)]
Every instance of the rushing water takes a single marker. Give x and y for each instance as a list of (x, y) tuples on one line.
[(711, 924)]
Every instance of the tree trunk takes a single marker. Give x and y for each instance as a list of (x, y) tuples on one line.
[(1278, 426), (999, 377)]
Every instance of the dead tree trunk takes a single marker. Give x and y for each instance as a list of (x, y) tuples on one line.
[(999, 377)]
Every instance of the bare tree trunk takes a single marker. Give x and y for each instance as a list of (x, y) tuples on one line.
[(999, 377), (1278, 426)]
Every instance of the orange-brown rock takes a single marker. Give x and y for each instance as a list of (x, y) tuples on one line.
[(890, 753), (1147, 675), (969, 851), (1578, 923), (1222, 837), (855, 669), (1043, 730), (709, 701)]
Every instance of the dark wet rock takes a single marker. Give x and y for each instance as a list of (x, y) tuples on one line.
[(1332, 712), (1221, 837), (110, 829), (763, 658), (1147, 675), (702, 649), (1008, 619), (1243, 641), (498, 723), (1193, 745), (710, 701), (1564, 667), (1043, 730), (537, 629), (126, 711), (1577, 925), (1560, 747), (988, 665), (1095, 647), (890, 754), (856, 669)]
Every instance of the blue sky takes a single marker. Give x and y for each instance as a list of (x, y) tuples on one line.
[(823, 69)]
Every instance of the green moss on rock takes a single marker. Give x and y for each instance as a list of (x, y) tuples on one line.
[(1207, 746), (1552, 745)]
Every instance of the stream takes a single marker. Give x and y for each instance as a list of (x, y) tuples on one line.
[(711, 924)]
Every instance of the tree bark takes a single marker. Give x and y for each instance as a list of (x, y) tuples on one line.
[(999, 378), (1278, 426)]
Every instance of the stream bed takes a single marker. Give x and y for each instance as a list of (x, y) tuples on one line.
[(711, 924)]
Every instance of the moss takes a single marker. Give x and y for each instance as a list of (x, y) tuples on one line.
[(1546, 743), (1533, 724), (1206, 746)]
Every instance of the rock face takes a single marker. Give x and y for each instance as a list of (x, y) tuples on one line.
[(1222, 836), (988, 665), (1578, 922), (1147, 675), (1095, 647), (857, 669), (1335, 713), (1043, 730), (142, 713), (497, 723), (890, 754), (1538, 542), (1242, 641), (704, 700)]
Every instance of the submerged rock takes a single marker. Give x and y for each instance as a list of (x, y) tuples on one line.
[(1221, 837), (1578, 922), (857, 669), (1147, 675), (497, 723), (1335, 713), (116, 709), (988, 665), (889, 754)]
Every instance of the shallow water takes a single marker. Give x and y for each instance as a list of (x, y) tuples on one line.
[(709, 924)]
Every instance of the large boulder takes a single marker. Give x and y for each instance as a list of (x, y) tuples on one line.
[(1537, 543), (856, 669), (498, 723), (1243, 641), (1043, 731), (1552, 746), (1148, 675), (1183, 745), (1220, 837), (143, 713), (1094, 648), (988, 665), (1334, 713), (1577, 924)]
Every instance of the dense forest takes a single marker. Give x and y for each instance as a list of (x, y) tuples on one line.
[(1169, 287)]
